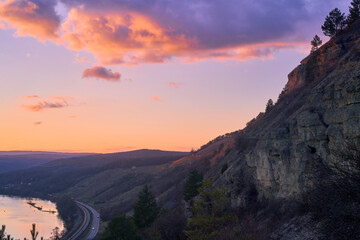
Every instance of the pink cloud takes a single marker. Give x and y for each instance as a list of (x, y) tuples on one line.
[(155, 98), (41, 105), (173, 84), (78, 59), (99, 72), (37, 123), (31, 18)]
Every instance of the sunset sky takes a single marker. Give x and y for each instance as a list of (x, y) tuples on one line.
[(118, 75)]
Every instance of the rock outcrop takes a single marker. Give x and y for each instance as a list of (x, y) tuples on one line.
[(318, 112)]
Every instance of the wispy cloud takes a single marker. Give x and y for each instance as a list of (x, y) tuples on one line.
[(66, 98), (173, 84), (41, 104), (79, 59), (99, 72), (155, 98), (30, 97), (37, 123)]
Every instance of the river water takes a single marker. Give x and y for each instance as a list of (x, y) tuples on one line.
[(18, 216)]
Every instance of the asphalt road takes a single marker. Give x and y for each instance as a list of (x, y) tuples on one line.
[(88, 211), (95, 222)]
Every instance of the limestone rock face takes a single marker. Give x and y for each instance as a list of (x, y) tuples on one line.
[(319, 111)]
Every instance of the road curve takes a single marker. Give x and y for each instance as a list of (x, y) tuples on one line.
[(84, 226), (95, 223)]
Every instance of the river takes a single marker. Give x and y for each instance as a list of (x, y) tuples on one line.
[(18, 216)]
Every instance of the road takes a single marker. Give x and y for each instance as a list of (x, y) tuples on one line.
[(95, 222), (84, 226)]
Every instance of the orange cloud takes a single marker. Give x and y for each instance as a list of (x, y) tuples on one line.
[(155, 98), (30, 96), (99, 72), (173, 84), (31, 18), (62, 98), (122, 38), (2, 25), (37, 123)]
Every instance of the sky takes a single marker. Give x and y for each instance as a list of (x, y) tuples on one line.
[(118, 75)]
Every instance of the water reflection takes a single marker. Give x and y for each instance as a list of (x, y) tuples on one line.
[(18, 216)]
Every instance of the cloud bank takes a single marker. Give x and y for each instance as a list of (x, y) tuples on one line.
[(133, 32)]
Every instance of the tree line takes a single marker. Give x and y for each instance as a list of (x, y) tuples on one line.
[(336, 21)]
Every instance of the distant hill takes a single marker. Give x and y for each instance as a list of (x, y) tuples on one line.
[(60, 175), (143, 157), (16, 160)]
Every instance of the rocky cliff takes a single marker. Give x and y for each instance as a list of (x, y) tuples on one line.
[(273, 156)]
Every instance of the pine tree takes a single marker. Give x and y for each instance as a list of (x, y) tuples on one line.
[(315, 43), (2, 232), (33, 232), (269, 105), (354, 12), (334, 23), (146, 209), (211, 214), (192, 185)]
